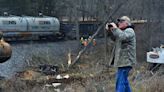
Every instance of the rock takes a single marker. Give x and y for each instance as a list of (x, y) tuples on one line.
[(56, 84), (59, 77), (66, 76)]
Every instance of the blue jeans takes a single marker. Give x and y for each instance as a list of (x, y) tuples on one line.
[(122, 83)]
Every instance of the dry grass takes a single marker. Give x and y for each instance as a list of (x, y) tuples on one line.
[(45, 58), (143, 80), (152, 84), (98, 77)]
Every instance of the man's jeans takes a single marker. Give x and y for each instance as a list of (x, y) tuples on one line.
[(122, 83)]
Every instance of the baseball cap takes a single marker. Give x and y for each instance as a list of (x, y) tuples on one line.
[(125, 18)]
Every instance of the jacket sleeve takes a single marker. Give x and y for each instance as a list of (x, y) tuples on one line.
[(123, 35)]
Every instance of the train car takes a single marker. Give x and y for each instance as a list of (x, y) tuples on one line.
[(43, 27), (86, 29), (13, 24), (68, 29), (21, 28)]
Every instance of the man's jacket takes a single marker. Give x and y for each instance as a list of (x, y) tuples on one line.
[(124, 49)]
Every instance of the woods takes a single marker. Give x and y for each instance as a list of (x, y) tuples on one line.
[(86, 9)]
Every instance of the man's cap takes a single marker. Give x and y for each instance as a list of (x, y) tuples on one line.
[(125, 18)]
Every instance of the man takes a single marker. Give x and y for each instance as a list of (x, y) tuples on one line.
[(124, 51)]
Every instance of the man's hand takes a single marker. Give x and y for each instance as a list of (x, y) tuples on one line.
[(113, 26), (107, 26)]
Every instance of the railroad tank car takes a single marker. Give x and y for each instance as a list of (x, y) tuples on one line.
[(13, 24), (16, 27)]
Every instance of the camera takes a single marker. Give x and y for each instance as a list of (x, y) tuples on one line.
[(110, 26)]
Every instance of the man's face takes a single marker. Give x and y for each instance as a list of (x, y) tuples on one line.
[(122, 24)]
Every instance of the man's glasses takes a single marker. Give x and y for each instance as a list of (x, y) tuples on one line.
[(120, 20)]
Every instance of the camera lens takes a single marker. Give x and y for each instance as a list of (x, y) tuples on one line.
[(110, 26)]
